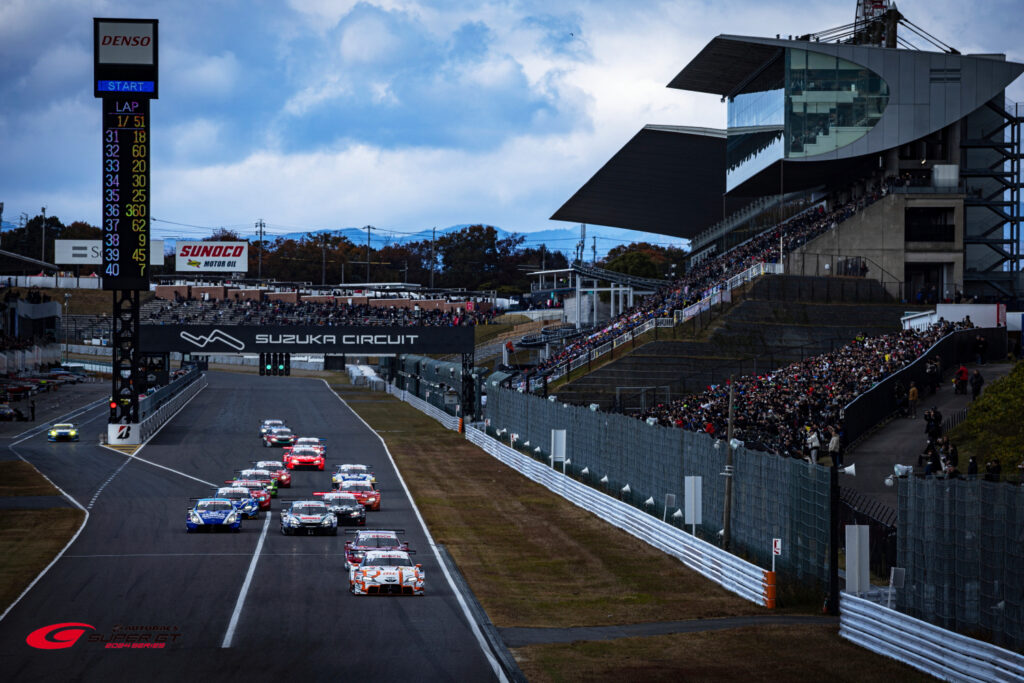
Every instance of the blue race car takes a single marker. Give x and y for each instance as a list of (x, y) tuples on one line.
[(213, 513), (242, 499), (62, 432)]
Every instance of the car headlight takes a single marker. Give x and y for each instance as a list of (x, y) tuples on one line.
[(354, 514), (232, 516), (53, 432), (293, 521), (73, 432), (195, 518)]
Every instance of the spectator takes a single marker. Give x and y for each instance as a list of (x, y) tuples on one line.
[(813, 443), (993, 470), (972, 468), (980, 348), (912, 398), (976, 383), (960, 379), (835, 447)]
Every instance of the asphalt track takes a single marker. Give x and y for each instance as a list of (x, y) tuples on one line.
[(134, 570)]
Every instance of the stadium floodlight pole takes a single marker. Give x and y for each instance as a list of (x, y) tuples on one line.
[(727, 513), (368, 229)]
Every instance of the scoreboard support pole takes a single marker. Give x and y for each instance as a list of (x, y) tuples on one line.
[(127, 376), (466, 397)]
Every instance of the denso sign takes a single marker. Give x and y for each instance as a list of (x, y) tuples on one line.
[(125, 42), (222, 257)]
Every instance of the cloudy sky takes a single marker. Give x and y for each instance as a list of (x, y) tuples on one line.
[(404, 114)]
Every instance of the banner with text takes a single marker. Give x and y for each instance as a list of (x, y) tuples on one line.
[(211, 257), (249, 339)]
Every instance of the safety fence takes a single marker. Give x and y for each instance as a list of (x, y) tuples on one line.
[(941, 653), (732, 573), (183, 394), (962, 546), (449, 421), (31, 358)]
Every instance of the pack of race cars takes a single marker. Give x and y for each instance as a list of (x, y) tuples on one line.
[(378, 561)]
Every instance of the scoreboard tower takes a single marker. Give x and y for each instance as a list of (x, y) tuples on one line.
[(125, 60)]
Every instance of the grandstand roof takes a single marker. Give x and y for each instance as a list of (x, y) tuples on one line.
[(666, 179)]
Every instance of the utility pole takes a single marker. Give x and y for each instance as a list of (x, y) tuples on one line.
[(323, 262), (368, 229), (727, 514), (593, 251), (542, 258), (406, 269), (43, 239), (259, 266), (433, 256)]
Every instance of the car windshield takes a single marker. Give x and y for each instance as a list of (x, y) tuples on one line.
[(353, 468), (233, 493), (388, 562), (273, 423), (309, 509), (298, 450), (255, 474), (64, 426), (378, 542), (282, 433), (309, 441), (357, 485), (340, 499), (214, 505), (270, 464)]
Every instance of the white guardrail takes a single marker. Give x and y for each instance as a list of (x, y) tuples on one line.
[(151, 424), (739, 576), (942, 653), (712, 296), (449, 421)]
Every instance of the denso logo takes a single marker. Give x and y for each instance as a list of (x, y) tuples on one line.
[(127, 41), (57, 636), (216, 251)]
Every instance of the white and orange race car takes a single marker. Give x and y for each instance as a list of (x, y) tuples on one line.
[(365, 492), (387, 572)]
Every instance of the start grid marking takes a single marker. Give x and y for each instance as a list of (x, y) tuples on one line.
[(104, 484)]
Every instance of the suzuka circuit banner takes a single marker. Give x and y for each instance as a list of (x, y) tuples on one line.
[(251, 339), (211, 257)]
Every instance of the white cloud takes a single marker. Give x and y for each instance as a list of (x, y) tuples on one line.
[(196, 141), (367, 40), (216, 75)]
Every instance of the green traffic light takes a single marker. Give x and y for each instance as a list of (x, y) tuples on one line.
[(280, 367), (268, 366)]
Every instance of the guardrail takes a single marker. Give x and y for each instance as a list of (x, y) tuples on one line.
[(154, 422), (936, 651), (712, 296), (449, 421), (739, 576)]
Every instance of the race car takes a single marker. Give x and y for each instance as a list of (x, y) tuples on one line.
[(256, 489), (267, 425), (266, 477), (212, 513), (371, 539), (387, 572), (348, 470), (277, 470), (320, 445), (308, 517), (345, 506), (64, 431), (303, 456), (364, 491), (242, 499), (279, 436)]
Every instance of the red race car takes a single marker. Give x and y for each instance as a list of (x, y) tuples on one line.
[(372, 539), (319, 445), (365, 492), (277, 470), (303, 456), (257, 490)]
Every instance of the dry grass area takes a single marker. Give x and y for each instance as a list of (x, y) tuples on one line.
[(29, 540), (532, 558), (19, 478), (764, 653)]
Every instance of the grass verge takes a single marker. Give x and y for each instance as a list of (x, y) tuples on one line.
[(533, 559), (19, 478), (29, 540), (763, 653)]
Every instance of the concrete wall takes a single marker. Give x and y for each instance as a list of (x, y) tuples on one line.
[(318, 299), (284, 297), (216, 293), (168, 291), (877, 234), (248, 295)]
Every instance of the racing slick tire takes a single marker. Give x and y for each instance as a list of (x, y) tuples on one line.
[(265, 444), (334, 531), (285, 531)]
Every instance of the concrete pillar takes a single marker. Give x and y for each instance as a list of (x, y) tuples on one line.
[(579, 293)]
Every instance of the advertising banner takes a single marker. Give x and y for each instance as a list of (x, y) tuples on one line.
[(89, 252), (211, 257), (251, 339)]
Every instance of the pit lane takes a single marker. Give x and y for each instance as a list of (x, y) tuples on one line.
[(133, 570)]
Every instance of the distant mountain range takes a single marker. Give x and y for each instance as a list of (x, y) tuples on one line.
[(554, 239)]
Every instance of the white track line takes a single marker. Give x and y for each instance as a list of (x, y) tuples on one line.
[(39, 429), (33, 432), (104, 484), (498, 672), (230, 633)]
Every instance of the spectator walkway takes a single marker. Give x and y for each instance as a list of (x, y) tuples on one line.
[(903, 439)]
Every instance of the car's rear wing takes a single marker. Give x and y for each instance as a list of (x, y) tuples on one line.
[(363, 531)]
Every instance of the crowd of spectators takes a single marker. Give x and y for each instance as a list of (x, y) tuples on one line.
[(709, 275), (797, 410), (313, 313)]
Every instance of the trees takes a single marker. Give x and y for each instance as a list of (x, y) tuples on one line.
[(646, 260), (476, 258)]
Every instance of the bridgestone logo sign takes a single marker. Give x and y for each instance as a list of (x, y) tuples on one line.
[(214, 339)]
